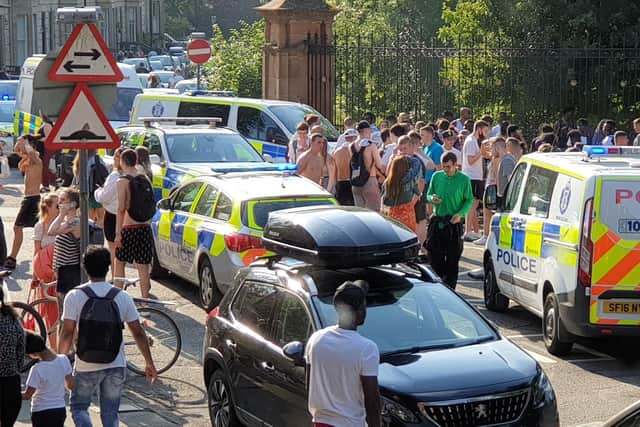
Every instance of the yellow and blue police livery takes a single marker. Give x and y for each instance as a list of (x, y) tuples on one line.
[(211, 226), (565, 244), (179, 153)]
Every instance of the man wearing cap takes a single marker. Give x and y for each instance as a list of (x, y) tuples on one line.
[(342, 366), (449, 139), (342, 158), (368, 195)]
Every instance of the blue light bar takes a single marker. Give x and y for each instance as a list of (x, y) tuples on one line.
[(609, 150), (287, 167), (5, 97), (595, 150)]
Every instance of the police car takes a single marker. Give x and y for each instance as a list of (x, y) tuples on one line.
[(194, 147), (565, 244), (211, 226)]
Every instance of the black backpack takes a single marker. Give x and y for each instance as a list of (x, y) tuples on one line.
[(142, 204), (97, 175), (359, 172), (100, 327)]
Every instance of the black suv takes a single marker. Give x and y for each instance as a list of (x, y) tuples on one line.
[(442, 364)]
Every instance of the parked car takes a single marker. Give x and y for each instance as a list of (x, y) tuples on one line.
[(442, 364), (8, 90), (7, 137), (168, 62)]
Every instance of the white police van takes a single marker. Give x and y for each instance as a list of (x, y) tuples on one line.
[(565, 244)]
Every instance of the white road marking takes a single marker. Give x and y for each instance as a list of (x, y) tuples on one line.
[(540, 358), (594, 352)]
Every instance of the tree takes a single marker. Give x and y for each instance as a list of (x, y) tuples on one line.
[(236, 63)]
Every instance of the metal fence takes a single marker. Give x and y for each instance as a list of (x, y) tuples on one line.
[(532, 83)]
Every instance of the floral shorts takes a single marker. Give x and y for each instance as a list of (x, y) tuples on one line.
[(137, 244)]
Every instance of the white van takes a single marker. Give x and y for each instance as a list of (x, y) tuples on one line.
[(26, 112)]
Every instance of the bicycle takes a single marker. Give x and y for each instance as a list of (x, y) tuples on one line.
[(30, 319), (163, 335)]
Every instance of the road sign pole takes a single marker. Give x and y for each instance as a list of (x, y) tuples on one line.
[(84, 206), (198, 79)]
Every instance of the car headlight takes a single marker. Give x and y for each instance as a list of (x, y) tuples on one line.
[(542, 390), (394, 409)]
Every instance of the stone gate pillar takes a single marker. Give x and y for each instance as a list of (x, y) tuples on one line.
[(285, 73)]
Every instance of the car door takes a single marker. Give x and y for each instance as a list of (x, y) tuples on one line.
[(292, 322), (199, 230), (262, 131), (152, 143), (252, 320), (508, 224), (534, 214)]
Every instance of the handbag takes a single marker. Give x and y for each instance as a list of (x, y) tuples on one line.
[(5, 171)]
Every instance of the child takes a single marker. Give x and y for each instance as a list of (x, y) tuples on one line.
[(45, 383)]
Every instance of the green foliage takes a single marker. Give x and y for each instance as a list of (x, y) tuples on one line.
[(236, 63), (178, 16)]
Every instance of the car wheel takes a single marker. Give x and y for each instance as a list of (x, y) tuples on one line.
[(551, 328), (157, 271), (493, 299), (221, 410), (210, 295)]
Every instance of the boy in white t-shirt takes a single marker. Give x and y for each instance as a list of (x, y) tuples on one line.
[(46, 382)]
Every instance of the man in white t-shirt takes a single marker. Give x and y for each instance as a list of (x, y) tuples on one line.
[(472, 167), (448, 140), (342, 366), (107, 377)]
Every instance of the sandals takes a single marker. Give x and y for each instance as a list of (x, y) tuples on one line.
[(10, 263)]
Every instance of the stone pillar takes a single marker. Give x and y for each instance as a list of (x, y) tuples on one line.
[(285, 74)]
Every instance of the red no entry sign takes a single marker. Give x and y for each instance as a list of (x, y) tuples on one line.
[(199, 51)]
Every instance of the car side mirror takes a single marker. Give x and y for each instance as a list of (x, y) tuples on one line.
[(295, 351), (164, 204), (268, 158), (154, 159), (491, 198)]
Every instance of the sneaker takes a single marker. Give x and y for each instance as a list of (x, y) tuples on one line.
[(481, 241), (470, 236)]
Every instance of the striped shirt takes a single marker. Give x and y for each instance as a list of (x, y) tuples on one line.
[(67, 249)]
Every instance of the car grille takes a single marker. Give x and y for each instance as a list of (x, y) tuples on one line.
[(479, 411)]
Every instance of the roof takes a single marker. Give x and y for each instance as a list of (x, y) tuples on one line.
[(183, 129), (223, 99), (296, 5), (578, 164), (265, 185)]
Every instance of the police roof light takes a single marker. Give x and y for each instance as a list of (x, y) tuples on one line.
[(600, 150), (286, 167), (75, 15), (5, 97)]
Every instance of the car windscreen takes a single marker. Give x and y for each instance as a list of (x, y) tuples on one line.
[(416, 316), (255, 213), (6, 111), (292, 115), (210, 148), (119, 112), (8, 90), (165, 60)]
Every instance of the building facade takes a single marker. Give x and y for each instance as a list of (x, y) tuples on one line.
[(29, 27)]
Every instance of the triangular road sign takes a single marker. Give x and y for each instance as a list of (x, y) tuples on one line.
[(85, 57), (82, 124)]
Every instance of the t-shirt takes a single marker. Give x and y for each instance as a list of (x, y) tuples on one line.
[(73, 304), (608, 140), (387, 154), (471, 148), (455, 151), (39, 233), (338, 358), (434, 151), (636, 141), (454, 192), (47, 377)]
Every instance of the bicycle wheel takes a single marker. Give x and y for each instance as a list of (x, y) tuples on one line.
[(164, 340), (48, 310), (32, 322)]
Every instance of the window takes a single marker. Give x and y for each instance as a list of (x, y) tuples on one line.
[(537, 198), (255, 124), (210, 147), (253, 307), (292, 322), (21, 38), (223, 208), (206, 201), (185, 197), (291, 115), (513, 188), (201, 109), (152, 142)]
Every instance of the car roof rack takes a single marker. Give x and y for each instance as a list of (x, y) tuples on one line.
[(200, 92), (211, 121)]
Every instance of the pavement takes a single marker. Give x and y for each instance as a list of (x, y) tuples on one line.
[(598, 379)]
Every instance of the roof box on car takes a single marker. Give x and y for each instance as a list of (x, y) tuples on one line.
[(339, 237)]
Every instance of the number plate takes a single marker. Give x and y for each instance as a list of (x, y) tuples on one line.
[(629, 226), (618, 307)]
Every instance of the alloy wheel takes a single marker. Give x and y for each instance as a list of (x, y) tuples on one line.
[(219, 404)]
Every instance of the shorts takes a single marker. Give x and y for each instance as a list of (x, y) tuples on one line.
[(109, 226), (28, 213), (137, 244), (68, 278), (420, 209), (477, 187), (344, 195)]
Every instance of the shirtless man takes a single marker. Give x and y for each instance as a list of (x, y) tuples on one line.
[(368, 196), (134, 240), (316, 163), (31, 166), (342, 157)]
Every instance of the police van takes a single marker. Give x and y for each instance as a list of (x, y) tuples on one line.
[(267, 124), (565, 244)]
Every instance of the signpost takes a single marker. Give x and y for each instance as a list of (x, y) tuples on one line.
[(82, 124), (199, 52)]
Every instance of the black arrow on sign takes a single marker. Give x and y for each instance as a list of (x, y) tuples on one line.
[(70, 67), (94, 54)]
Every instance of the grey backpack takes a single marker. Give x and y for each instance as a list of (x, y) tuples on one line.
[(100, 327)]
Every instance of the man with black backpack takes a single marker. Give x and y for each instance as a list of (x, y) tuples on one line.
[(136, 207), (366, 169), (98, 311)]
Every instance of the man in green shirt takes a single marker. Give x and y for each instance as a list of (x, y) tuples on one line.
[(450, 192)]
